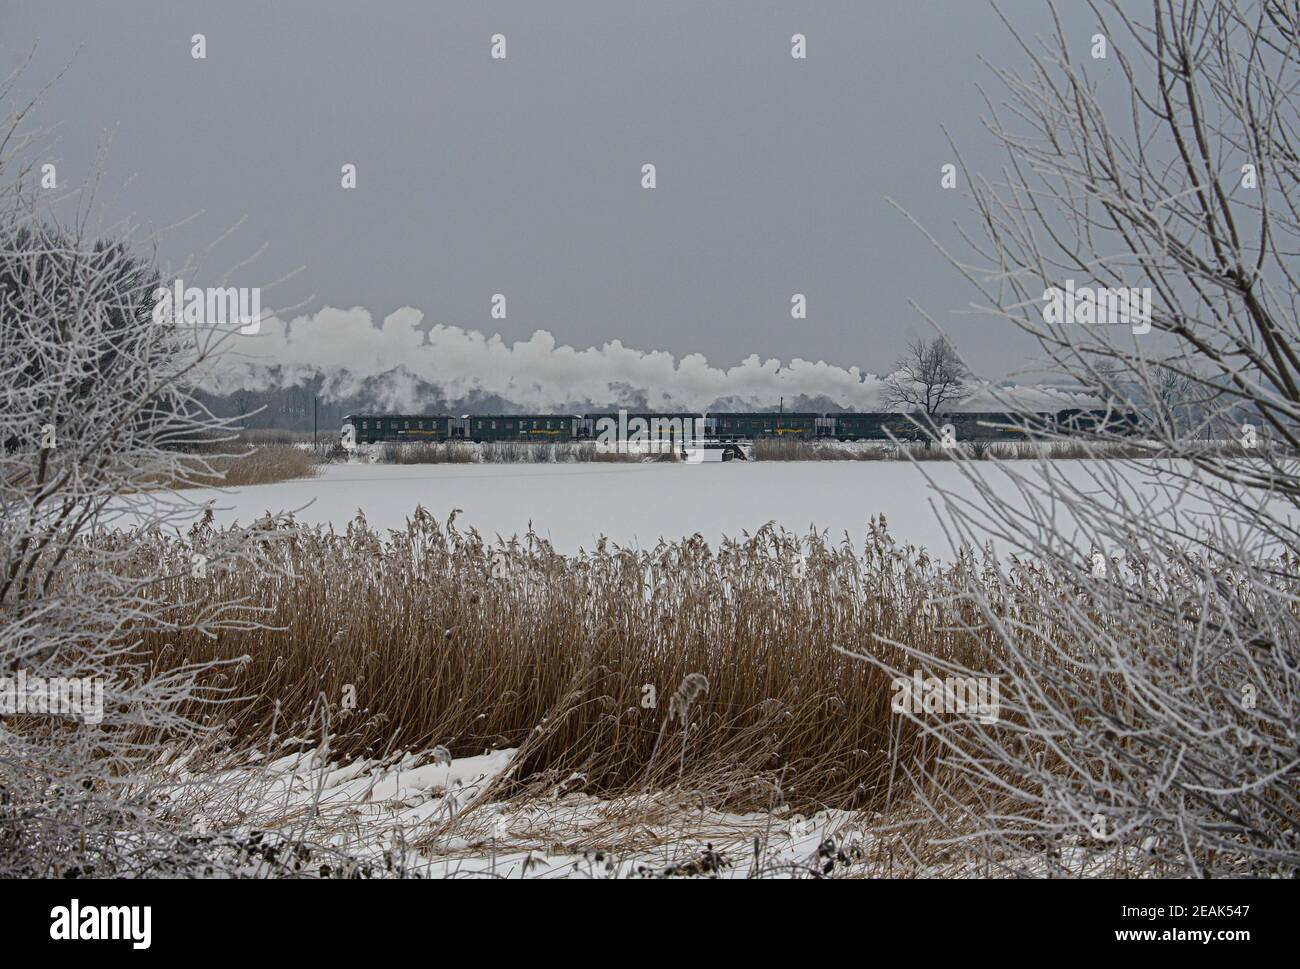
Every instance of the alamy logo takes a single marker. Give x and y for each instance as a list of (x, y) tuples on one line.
[(74, 922), (959, 695), (1098, 306), (81, 699), (213, 306), (657, 435)]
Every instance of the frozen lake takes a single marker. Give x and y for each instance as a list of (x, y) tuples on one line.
[(633, 504)]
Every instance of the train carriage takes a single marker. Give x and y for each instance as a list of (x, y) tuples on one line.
[(967, 425), (1105, 422), (874, 426), (741, 426), (986, 425), (546, 428), (404, 428), (858, 427), (663, 430)]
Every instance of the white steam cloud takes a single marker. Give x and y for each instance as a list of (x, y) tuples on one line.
[(349, 352)]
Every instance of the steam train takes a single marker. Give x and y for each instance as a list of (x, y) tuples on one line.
[(737, 426)]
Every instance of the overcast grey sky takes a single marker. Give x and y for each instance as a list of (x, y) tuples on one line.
[(522, 176)]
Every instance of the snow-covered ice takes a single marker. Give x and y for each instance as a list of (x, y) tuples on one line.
[(572, 505), (635, 505)]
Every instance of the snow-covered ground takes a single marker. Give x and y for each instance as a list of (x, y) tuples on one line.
[(435, 817), (432, 816), (633, 504), (637, 504)]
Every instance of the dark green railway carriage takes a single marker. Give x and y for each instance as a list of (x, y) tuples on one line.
[(405, 428), (1077, 421), (882, 426), (545, 428), (771, 425), (672, 426), (860, 427), (879, 425), (985, 426)]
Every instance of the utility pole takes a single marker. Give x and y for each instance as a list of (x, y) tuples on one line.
[(314, 399)]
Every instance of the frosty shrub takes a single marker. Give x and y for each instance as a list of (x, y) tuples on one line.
[(1164, 730), (96, 406)]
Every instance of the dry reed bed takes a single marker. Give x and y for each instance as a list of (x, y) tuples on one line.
[(786, 449), (505, 452), (769, 449), (278, 435), (765, 449), (445, 639), (213, 466)]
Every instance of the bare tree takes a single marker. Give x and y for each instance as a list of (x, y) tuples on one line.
[(1153, 729), (1178, 400), (1177, 394), (928, 378)]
